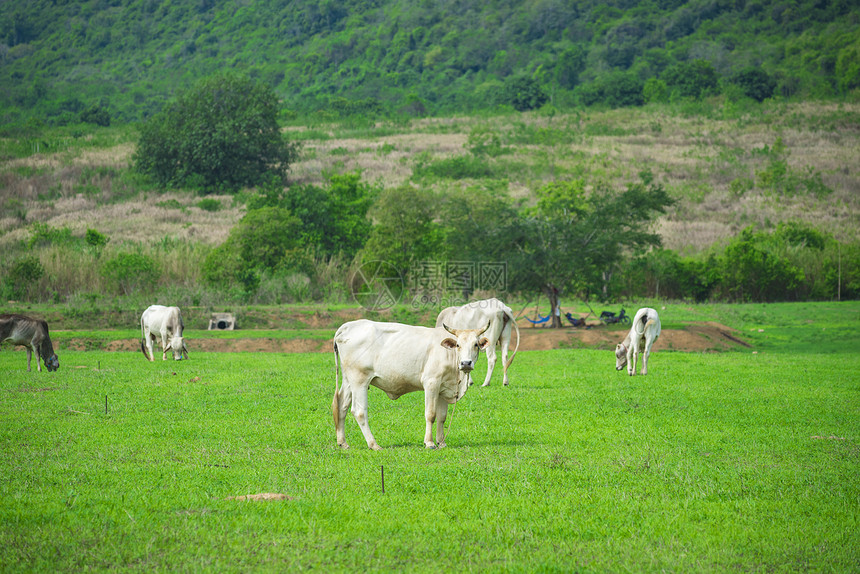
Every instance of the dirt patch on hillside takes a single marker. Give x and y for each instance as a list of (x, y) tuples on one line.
[(697, 337)]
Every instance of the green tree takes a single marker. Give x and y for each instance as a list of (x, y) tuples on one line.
[(221, 134), (755, 83), (751, 271), (692, 79), (523, 93), (20, 282), (406, 228), (575, 241), (334, 219), (266, 239)]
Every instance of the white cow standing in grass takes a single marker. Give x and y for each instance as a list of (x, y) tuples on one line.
[(643, 333), (476, 314), (402, 359), (165, 322)]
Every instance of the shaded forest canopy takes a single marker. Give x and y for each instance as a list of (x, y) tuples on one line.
[(62, 58)]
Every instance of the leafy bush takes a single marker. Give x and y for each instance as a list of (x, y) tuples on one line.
[(44, 234), (617, 89), (333, 220), (209, 204), (221, 134), (95, 239), (523, 93), (129, 272), (692, 79), (456, 167), (96, 114), (171, 203), (755, 83), (267, 239), (655, 91), (751, 272), (21, 278)]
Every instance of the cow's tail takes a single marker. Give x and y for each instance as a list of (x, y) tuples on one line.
[(645, 323), (648, 325), (335, 406), (143, 339), (514, 321)]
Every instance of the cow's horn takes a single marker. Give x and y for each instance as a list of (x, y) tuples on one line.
[(449, 329), (484, 329)]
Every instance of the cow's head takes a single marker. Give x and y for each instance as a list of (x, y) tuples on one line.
[(177, 345), (468, 343), (620, 356), (52, 362)]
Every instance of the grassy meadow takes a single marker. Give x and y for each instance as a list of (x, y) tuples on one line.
[(736, 461)]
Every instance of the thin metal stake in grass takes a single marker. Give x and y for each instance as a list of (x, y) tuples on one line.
[(105, 404), (382, 475)]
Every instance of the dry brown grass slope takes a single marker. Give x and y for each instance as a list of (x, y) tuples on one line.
[(696, 158)]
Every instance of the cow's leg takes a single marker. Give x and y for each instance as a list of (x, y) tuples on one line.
[(163, 347), (506, 342), (431, 395), (151, 345), (359, 411), (645, 355), (29, 357), (340, 406), (441, 415), (632, 352), (491, 363), (147, 341)]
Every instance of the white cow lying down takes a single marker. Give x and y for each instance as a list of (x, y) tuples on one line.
[(165, 322), (476, 314), (402, 359), (643, 333)]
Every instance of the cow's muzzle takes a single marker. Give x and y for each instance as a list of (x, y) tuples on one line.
[(467, 366)]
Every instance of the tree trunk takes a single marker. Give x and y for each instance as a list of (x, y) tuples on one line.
[(554, 306)]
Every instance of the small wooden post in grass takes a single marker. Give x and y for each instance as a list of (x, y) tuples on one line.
[(382, 475)]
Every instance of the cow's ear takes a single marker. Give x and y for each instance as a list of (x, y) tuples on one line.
[(449, 343), (483, 342)]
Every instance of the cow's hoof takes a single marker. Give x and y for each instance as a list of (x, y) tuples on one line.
[(485, 385), (375, 446), (429, 445), (343, 445), (441, 445)]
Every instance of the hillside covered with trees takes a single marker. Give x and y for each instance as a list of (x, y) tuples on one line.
[(63, 60)]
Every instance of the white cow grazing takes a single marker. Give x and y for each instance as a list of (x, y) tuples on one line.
[(165, 322), (643, 333), (476, 314), (402, 359)]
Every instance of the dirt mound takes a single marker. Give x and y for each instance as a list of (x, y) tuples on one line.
[(696, 337)]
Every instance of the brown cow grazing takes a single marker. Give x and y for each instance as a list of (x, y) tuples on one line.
[(33, 334)]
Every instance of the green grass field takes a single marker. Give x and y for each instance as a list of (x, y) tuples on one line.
[(713, 462)]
